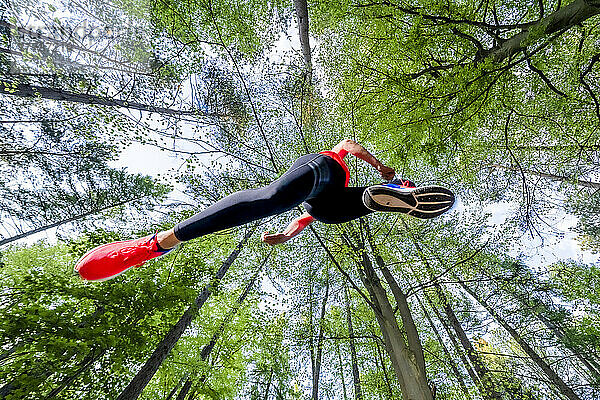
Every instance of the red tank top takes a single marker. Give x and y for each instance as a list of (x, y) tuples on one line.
[(340, 161)]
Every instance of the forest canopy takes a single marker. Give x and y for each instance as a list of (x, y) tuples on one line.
[(121, 118)]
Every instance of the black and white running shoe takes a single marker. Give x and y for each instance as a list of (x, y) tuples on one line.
[(422, 202)]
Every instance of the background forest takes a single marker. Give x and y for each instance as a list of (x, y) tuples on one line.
[(498, 100)]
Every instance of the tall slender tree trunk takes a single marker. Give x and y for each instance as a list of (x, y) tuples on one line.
[(268, 388), (341, 365), (413, 382), (591, 365), (319, 355), (383, 369), (141, 379), (458, 348), (14, 385), (485, 377), (523, 298), (564, 389), (487, 384), (85, 364), (8, 352), (174, 390), (553, 177), (301, 7), (353, 357), (66, 221), (184, 389), (412, 335), (207, 349), (72, 46), (22, 89), (311, 346), (447, 354)]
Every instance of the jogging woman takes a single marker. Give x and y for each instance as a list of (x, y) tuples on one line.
[(317, 181)]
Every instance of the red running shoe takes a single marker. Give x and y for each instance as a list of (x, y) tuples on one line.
[(112, 259)]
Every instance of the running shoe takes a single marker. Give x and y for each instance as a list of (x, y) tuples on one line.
[(422, 202), (112, 259)]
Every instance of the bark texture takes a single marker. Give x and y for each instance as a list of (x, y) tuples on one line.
[(413, 382), (564, 18), (301, 7), (412, 335), (22, 89)]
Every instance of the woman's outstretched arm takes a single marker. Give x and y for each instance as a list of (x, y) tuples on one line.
[(350, 146), (294, 228)]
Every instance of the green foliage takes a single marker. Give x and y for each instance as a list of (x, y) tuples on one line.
[(58, 329), (415, 83), (247, 26)]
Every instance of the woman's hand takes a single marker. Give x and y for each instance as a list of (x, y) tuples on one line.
[(274, 238), (293, 228), (386, 172)]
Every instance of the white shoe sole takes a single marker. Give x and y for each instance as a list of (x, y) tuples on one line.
[(422, 202)]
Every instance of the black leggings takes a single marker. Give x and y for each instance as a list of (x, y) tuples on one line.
[(315, 180)]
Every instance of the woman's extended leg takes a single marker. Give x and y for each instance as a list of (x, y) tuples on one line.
[(239, 208), (305, 178)]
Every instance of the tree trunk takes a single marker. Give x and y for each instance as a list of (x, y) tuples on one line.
[(311, 346), (341, 364), (207, 349), (579, 352), (553, 376), (589, 184), (412, 335), (449, 359), (412, 382), (8, 352), (12, 386), (85, 364), (65, 44), (139, 382), (457, 347), (21, 89), (302, 15), (354, 358), (184, 390), (268, 388), (564, 18), (382, 363), (65, 221), (317, 369), (485, 377), (172, 393), (487, 385), (524, 299)]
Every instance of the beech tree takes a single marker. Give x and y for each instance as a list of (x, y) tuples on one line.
[(497, 100)]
